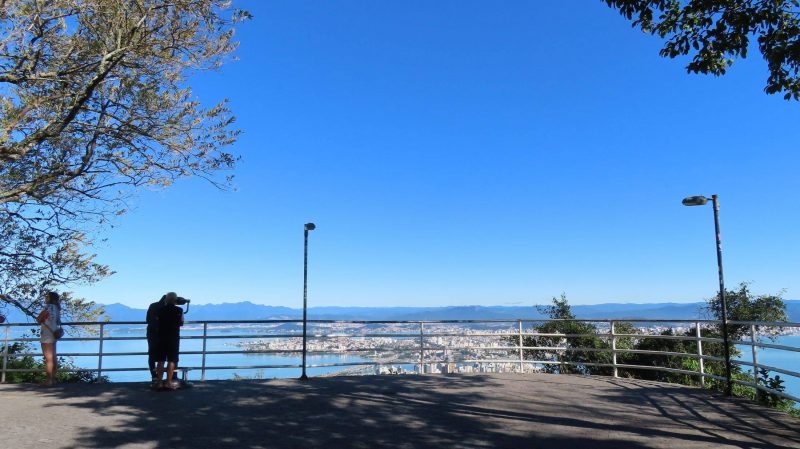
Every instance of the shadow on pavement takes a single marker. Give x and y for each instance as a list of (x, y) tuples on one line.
[(539, 411)]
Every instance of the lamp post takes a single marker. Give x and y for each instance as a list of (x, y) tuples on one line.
[(307, 227), (701, 201)]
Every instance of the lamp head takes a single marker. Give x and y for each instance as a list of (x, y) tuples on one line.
[(309, 226), (695, 201)]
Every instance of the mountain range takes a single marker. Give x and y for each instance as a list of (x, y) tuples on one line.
[(246, 310)]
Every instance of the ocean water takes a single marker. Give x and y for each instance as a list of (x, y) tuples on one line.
[(787, 360), (195, 360), (226, 339)]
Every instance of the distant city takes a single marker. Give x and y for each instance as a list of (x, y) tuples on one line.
[(449, 347)]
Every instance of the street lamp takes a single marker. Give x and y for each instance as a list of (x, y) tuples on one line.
[(701, 201), (307, 227)]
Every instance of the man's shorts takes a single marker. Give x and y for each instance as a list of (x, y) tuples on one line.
[(168, 350)]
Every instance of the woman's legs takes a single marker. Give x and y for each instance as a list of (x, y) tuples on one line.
[(49, 351)]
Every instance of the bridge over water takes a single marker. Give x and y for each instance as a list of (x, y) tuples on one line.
[(465, 411)]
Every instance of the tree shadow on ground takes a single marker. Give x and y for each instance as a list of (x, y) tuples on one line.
[(538, 411)]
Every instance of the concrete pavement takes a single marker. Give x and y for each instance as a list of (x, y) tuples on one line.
[(437, 411)]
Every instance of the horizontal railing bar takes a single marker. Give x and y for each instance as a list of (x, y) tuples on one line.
[(331, 337), (427, 336), (672, 370), (416, 335), (77, 354), (191, 368), (511, 361), (389, 349), (460, 348), (540, 362), (543, 348), (517, 348), (232, 367), (710, 339), (241, 337), (331, 365), (557, 335), (208, 367), (345, 351), (411, 322), (664, 337), (581, 349), (253, 352), (476, 334), (67, 370), (413, 362), (643, 351)]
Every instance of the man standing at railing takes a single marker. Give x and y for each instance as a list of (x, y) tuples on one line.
[(152, 337), (152, 333), (170, 320)]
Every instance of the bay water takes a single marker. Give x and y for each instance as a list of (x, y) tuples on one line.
[(788, 360)]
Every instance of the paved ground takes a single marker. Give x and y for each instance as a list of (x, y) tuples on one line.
[(486, 411)]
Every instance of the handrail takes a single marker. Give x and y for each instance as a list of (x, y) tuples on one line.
[(433, 341), (514, 320)]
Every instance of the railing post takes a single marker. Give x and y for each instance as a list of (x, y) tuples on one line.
[(203, 365), (5, 354), (698, 335), (755, 358), (613, 350), (421, 348), (521, 371), (100, 353)]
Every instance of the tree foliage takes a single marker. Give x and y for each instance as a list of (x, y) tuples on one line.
[(582, 348), (579, 350), (742, 305), (716, 32), (94, 104)]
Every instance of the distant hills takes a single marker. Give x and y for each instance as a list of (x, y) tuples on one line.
[(246, 310)]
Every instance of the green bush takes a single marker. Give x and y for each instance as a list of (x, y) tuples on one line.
[(67, 371)]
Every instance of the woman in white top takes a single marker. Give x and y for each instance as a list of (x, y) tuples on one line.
[(50, 320)]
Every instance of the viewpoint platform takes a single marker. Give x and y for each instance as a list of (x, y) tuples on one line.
[(413, 411)]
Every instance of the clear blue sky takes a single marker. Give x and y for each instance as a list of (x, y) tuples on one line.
[(470, 153)]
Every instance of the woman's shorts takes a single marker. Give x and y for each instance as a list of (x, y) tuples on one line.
[(46, 335)]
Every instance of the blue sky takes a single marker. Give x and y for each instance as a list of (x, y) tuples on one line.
[(470, 153)]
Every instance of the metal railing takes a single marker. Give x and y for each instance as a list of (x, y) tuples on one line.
[(428, 346)]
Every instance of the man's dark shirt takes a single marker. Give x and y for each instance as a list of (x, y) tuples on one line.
[(170, 320), (152, 317)]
